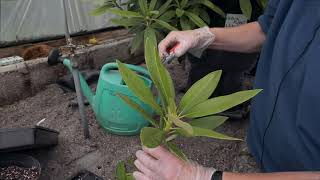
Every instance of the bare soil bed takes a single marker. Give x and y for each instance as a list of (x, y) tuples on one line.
[(103, 151)]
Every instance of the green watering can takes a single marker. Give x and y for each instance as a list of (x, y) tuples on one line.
[(112, 113)]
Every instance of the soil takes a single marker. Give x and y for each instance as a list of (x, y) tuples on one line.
[(19, 173), (101, 153), (36, 51)]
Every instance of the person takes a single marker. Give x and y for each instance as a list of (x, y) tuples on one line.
[(285, 123)]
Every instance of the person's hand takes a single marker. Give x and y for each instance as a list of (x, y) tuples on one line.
[(159, 164), (193, 41)]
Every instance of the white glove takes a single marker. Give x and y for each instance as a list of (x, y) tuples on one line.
[(160, 164), (193, 41)]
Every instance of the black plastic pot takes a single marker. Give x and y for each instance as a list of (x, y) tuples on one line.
[(27, 138), (19, 160), (86, 175)]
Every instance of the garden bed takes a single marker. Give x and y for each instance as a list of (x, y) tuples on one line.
[(103, 151)]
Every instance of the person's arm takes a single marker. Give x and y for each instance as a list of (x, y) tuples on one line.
[(246, 38), (272, 176)]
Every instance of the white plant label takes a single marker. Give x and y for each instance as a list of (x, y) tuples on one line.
[(233, 20)]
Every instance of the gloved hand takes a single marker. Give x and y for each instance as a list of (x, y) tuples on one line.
[(193, 41), (160, 164)]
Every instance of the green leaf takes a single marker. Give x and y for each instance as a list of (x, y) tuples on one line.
[(179, 12), (184, 125), (159, 74), (138, 108), (129, 176), (152, 5), (184, 23), (220, 104), (154, 12), (121, 171), (205, 16), (246, 8), (196, 19), (200, 91), (176, 151), (209, 122), (138, 87), (150, 34), (165, 25), (143, 6), (213, 7), (184, 3), (263, 3), (201, 132), (151, 137), (167, 16), (164, 7), (125, 13), (100, 10), (126, 22), (137, 41)]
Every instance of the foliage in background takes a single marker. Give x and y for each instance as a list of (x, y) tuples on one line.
[(192, 117), (161, 17), (246, 6)]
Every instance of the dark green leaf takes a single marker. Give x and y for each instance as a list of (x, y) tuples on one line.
[(199, 92), (209, 122), (176, 151), (165, 25), (184, 23), (152, 5), (154, 12), (130, 176), (138, 87), (151, 137), (127, 22), (137, 41), (125, 13), (205, 16), (100, 10), (184, 3), (196, 19), (143, 6), (167, 16), (220, 104), (262, 3), (179, 12), (121, 171), (201, 132), (138, 108), (164, 7), (246, 8), (213, 7)]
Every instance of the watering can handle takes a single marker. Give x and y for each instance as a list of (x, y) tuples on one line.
[(140, 70)]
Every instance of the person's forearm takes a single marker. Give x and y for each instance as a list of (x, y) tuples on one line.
[(247, 38), (272, 176)]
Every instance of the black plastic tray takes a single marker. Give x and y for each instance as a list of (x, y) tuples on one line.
[(16, 139)]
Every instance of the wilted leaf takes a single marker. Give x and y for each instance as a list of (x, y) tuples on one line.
[(196, 19), (151, 137), (176, 151), (220, 104), (200, 91), (165, 25), (125, 13), (138, 108), (137, 41), (246, 8), (138, 87), (213, 7), (209, 122), (121, 171)]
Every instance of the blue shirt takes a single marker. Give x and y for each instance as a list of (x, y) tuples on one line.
[(284, 133)]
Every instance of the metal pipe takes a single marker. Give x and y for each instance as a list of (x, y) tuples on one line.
[(66, 28), (84, 120)]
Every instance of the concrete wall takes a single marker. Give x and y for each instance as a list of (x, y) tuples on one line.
[(24, 79)]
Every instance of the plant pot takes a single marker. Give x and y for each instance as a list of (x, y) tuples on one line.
[(27, 138), (86, 175), (19, 166)]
